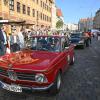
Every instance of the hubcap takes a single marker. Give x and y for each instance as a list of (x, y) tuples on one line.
[(58, 82)]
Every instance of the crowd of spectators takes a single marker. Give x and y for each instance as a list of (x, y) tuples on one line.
[(17, 39)]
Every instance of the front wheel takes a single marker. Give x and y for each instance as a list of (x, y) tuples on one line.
[(57, 84)]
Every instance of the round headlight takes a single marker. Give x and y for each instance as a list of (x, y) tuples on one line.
[(40, 78)]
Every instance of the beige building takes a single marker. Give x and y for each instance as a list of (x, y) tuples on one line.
[(54, 16), (71, 27), (34, 12), (85, 24), (96, 22)]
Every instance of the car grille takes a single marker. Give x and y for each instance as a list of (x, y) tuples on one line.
[(25, 76), (20, 75), (3, 72)]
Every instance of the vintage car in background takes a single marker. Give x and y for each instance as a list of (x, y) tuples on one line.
[(77, 39), (39, 67)]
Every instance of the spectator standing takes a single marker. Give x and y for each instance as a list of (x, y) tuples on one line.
[(3, 39), (1, 43), (90, 35), (21, 39), (86, 39), (14, 42)]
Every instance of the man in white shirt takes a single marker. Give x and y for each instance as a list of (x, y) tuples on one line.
[(21, 39)]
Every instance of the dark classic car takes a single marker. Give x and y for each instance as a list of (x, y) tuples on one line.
[(77, 39), (39, 67)]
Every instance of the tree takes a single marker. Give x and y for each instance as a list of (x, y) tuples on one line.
[(59, 23)]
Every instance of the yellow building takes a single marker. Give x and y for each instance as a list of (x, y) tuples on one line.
[(37, 12)]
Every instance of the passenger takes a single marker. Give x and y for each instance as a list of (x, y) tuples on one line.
[(43, 42)]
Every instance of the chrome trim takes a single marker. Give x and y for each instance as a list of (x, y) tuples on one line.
[(31, 88)]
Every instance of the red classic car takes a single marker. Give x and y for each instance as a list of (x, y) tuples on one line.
[(39, 67)]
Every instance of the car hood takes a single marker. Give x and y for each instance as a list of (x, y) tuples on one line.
[(30, 60)]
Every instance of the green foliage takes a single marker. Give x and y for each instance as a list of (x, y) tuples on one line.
[(59, 24)]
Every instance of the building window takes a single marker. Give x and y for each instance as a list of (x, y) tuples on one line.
[(41, 3), (37, 1), (46, 1), (28, 10), (24, 9), (18, 7), (11, 5), (45, 6), (41, 16), (45, 17), (33, 12), (49, 9), (50, 19), (37, 15)]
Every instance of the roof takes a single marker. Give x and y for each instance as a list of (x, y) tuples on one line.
[(59, 12)]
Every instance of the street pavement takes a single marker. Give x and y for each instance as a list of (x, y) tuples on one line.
[(80, 82)]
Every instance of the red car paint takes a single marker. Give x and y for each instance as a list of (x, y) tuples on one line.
[(35, 61)]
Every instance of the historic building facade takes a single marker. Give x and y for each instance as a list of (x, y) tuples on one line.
[(85, 24), (96, 22), (36, 12)]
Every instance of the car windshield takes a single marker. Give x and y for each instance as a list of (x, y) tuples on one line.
[(76, 35), (44, 43)]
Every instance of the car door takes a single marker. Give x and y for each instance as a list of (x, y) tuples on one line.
[(65, 53)]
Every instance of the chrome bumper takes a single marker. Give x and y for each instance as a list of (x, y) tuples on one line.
[(31, 88)]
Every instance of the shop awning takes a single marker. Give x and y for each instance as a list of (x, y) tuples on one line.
[(9, 22)]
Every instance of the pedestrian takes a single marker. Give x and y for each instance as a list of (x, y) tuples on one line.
[(90, 35), (3, 40), (21, 39), (14, 39), (86, 39)]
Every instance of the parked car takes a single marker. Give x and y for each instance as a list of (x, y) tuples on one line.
[(77, 39), (38, 67)]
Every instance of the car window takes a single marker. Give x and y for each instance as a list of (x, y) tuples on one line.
[(75, 35), (52, 44)]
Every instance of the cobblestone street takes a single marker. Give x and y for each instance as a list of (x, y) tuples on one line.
[(81, 81)]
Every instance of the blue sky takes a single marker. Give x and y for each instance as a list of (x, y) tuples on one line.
[(73, 10)]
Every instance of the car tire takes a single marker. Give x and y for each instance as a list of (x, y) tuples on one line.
[(73, 60), (57, 84), (83, 46)]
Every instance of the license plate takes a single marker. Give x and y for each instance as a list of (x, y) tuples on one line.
[(13, 88)]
